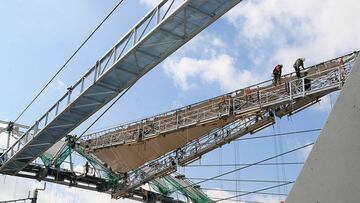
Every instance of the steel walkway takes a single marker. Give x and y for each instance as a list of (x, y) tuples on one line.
[(161, 32), (129, 146)]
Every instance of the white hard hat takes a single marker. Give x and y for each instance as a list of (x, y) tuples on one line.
[(303, 59)]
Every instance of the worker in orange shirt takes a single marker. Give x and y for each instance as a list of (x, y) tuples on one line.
[(342, 69), (277, 74), (247, 93)]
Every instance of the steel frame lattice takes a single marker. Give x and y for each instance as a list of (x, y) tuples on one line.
[(323, 77), (161, 32), (252, 116), (167, 163)]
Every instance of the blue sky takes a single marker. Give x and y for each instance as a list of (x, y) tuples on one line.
[(239, 49)]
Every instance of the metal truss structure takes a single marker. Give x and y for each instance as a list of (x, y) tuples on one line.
[(92, 183), (167, 164), (253, 108), (322, 78), (161, 32)]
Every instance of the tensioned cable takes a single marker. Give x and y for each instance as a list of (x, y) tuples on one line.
[(254, 192), (242, 180), (278, 134), (245, 164), (17, 200), (101, 115), (244, 167), (277, 159), (242, 201), (71, 57), (106, 110), (260, 193)]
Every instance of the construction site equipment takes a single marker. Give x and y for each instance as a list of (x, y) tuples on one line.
[(183, 135), (331, 172), (161, 32), (238, 115)]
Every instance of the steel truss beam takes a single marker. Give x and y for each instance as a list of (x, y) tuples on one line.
[(103, 76), (71, 179)]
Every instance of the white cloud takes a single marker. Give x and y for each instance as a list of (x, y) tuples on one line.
[(214, 66), (150, 3), (284, 30), (220, 69), (304, 153), (153, 3), (272, 32), (268, 199), (3, 137), (218, 194)]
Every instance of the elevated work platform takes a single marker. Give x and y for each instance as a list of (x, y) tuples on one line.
[(161, 32), (130, 146), (331, 172)]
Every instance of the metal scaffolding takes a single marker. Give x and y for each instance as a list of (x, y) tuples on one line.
[(322, 77), (252, 112)]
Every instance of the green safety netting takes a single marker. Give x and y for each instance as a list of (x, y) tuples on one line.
[(160, 186), (166, 185), (103, 172), (62, 151), (46, 160), (170, 184)]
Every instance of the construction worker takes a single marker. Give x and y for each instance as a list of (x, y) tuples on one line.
[(342, 69), (87, 167), (247, 93), (222, 103), (299, 63), (277, 74)]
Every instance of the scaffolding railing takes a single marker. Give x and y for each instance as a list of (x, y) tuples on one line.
[(168, 163), (250, 122), (321, 77)]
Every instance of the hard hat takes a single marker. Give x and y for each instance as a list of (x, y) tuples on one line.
[(303, 59)]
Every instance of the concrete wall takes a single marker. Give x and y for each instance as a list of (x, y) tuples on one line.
[(332, 171)]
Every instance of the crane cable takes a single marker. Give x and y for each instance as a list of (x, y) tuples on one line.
[(71, 57), (254, 192), (248, 166)]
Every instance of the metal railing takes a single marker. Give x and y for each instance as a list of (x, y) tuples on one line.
[(140, 31), (191, 151), (325, 76)]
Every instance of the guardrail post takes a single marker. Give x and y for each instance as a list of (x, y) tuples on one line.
[(69, 96), (115, 54), (36, 127), (260, 101), (340, 75), (95, 71), (82, 84), (158, 17), (303, 86), (290, 89), (134, 33)]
